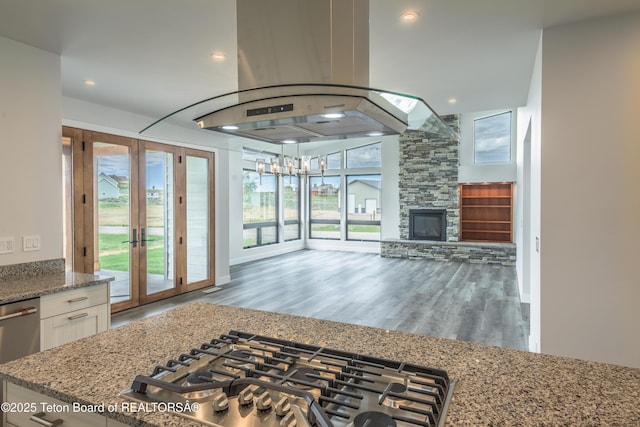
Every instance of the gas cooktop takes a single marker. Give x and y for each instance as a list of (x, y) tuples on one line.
[(242, 379)]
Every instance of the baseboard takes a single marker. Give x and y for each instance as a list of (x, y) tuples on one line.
[(534, 346), (223, 280)]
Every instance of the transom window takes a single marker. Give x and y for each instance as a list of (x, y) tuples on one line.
[(492, 138)]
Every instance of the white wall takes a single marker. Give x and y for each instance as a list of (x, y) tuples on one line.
[(590, 193), (30, 151), (528, 200), (469, 171)]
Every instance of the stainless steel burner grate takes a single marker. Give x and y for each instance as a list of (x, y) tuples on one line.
[(272, 382)]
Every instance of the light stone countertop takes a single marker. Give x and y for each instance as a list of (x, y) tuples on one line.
[(494, 386), (37, 286)]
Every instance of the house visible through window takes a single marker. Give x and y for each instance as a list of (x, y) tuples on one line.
[(259, 213), (492, 139), (363, 207), (353, 214), (325, 210), (291, 207)]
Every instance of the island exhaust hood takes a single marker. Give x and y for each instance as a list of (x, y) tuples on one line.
[(303, 75)]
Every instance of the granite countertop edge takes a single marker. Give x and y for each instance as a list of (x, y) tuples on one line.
[(21, 289)]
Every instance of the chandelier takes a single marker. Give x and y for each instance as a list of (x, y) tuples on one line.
[(289, 166)]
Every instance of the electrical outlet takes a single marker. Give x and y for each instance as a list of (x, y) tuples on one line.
[(7, 245), (31, 243)]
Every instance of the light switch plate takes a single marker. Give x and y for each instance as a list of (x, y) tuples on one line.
[(7, 245), (31, 243)]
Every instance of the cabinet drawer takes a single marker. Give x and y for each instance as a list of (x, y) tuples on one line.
[(75, 299), (63, 410), (67, 327)]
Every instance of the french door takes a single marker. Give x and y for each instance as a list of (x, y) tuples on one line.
[(146, 216)]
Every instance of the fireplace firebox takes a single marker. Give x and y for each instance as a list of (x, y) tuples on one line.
[(428, 224)]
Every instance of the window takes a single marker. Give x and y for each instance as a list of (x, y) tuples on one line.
[(492, 139), (325, 207), (363, 207), (291, 208), (354, 214), (334, 161), (368, 156), (260, 207)]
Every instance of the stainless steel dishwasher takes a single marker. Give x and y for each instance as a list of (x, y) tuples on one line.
[(19, 329)]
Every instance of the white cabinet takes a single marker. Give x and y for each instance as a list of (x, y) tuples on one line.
[(31, 409), (74, 314), (45, 410)]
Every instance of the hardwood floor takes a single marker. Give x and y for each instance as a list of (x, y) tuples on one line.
[(469, 302)]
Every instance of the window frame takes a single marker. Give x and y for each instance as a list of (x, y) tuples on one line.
[(298, 220), (348, 221), (263, 224), (324, 221), (510, 142)]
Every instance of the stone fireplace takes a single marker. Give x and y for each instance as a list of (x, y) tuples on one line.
[(428, 191), (428, 224), (428, 178)]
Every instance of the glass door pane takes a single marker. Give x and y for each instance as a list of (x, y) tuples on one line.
[(114, 236), (67, 203), (198, 219), (158, 231)]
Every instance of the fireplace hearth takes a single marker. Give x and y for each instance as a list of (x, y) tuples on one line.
[(428, 224)]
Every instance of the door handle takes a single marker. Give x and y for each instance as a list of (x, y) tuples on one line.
[(78, 316), (39, 418), (21, 313), (134, 242)]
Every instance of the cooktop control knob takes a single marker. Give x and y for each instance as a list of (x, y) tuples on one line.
[(282, 407), (264, 402), (245, 397), (220, 402), (289, 420)]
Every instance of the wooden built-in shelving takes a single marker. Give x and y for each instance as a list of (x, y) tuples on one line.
[(486, 212)]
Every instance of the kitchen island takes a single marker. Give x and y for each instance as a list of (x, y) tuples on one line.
[(493, 386)]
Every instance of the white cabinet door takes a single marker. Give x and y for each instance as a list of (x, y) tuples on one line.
[(57, 413), (73, 314), (67, 327)]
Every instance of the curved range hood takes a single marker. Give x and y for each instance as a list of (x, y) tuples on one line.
[(325, 45)]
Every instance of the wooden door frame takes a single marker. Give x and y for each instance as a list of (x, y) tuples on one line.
[(145, 146), (89, 138), (84, 210), (210, 156)]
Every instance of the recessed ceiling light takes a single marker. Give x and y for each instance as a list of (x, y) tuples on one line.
[(452, 100), (289, 141), (375, 133), (410, 16), (333, 115), (230, 127), (89, 83), (218, 56)]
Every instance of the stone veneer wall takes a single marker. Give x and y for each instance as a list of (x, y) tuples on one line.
[(429, 179), (429, 176), (472, 252)]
